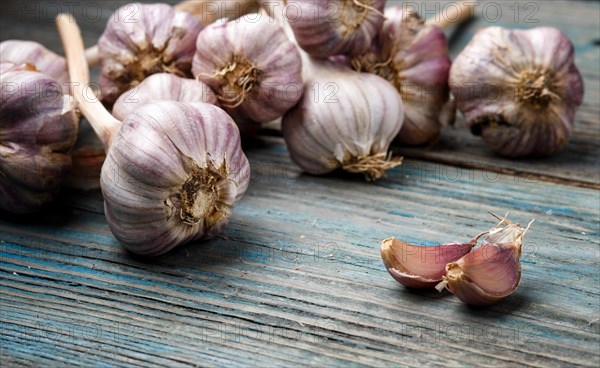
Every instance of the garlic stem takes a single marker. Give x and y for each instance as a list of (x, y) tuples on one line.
[(103, 123), (454, 16), (92, 56)]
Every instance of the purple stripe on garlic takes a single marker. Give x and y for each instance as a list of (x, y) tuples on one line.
[(162, 86), (251, 65), (145, 39), (518, 89), (325, 28), (38, 127), (413, 56), (44, 60)]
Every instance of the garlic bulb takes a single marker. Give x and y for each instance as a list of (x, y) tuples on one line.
[(38, 127), (145, 39), (413, 56), (87, 157), (491, 272), (325, 28), (518, 89), (251, 65), (421, 266), (347, 121), (162, 86), (44, 60), (173, 170)]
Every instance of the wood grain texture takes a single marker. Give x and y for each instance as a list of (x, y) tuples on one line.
[(296, 278)]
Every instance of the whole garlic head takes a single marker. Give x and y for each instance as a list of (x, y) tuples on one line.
[(413, 56), (38, 128), (165, 87), (518, 89), (349, 123), (30, 52), (326, 28), (172, 175), (254, 69), (145, 39)]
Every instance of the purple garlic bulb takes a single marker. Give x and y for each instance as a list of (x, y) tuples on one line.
[(165, 87), (518, 89), (145, 39), (325, 28), (30, 52), (413, 56), (254, 69), (38, 128)]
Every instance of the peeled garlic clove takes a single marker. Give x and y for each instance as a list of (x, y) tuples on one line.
[(413, 56), (38, 127), (420, 267), (33, 53), (518, 89), (485, 276), (251, 65), (145, 39), (162, 86), (348, 124), (326, 28)]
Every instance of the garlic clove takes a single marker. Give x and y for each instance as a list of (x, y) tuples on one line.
[(421, 266), (485, 276), (35, 54), (162, 86), (326, 28), (145, 39), (254, 69), (518, 89)]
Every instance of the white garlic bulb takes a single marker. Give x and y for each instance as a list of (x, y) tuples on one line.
[(349, 124), (518, 89)]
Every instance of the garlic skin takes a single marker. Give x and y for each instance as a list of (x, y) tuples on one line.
[(44, 60), (172, 175), (162, 86), (349, 124), (421, 266), (145, 39), (252, 66), (326, 28), (87, 157), (413, 56), (38, 127), (518, 89), (491, 272)]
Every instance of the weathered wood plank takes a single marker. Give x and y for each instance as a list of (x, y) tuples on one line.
[(578, 164), (297, 277)]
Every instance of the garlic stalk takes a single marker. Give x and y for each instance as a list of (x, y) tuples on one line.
[(173, 170), (145, 39), (251, 65), (518, 89), (38, 127), (208, 11), (165, 87), (326, 28), (413, 56)]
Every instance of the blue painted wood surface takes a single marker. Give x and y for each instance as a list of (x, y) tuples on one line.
[(296, 278)]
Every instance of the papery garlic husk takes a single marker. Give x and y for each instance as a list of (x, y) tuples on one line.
[(172, 175), (145, 39), (325, 28), (349, 124), (491, 272), (30, 52), (87, 158), (162, 86), (518, 89), (38, 127), (413, 56), (421, 266), (252, 66)]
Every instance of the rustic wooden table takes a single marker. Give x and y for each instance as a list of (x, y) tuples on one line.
[(296, 278)]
